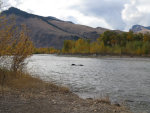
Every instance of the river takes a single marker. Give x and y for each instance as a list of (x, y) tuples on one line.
[(124, 80)]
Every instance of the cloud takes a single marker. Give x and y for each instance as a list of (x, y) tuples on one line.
[(61, 9), (79, 18), (112, 14), (7, 3), (136, 12), (109, 10), (13, 2)]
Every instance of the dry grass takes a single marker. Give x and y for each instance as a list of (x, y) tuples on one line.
[(105, 100), (25, 82)]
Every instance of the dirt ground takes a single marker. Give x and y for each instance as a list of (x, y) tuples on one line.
[(52, 100)]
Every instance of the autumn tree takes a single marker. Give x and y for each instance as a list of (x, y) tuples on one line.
[(68, 46), (17, 44), (21, 48), (14, 42), (82, 46)]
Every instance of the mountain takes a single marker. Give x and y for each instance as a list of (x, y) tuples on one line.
[(50, 31), (140, 29)]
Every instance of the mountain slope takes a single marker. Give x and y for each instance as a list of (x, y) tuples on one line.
[(50, 31)]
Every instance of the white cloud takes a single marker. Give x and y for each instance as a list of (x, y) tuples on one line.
[(48, 7), (136, 12), (84, 19), (93, 21), (109, 10), (112, 14), (14, 2), (60, 9)]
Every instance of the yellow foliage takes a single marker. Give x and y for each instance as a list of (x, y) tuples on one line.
[(15, 42)]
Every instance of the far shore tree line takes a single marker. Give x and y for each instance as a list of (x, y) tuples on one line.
[(112, 43)]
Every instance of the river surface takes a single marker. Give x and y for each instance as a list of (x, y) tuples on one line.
[(124, 80)]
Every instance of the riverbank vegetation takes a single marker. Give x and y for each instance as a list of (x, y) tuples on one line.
[(111, 43), (50, 50)]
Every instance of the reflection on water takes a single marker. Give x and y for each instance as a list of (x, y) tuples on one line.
[(123, 79)]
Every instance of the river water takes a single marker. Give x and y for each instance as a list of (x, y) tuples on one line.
[(124, 80)]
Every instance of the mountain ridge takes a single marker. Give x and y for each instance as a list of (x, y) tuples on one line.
[(50, 31), (140, 29)]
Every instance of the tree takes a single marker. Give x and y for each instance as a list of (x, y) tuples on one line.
[(109, 38), (130, 36), (68, 46), (21, 49), (14, 42), (82, 46)]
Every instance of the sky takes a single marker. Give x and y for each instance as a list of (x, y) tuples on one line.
[(111, 14)]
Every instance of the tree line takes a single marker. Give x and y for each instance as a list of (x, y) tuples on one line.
[(48, 50), (111, 42)]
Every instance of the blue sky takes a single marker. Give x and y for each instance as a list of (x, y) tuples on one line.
[(112, 14)]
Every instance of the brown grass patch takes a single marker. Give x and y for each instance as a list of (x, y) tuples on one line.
[(25, 82), (105, 100)]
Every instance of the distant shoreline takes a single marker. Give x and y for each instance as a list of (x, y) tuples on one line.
[(104, 55)]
